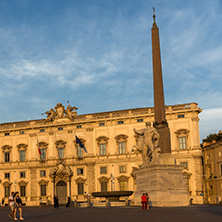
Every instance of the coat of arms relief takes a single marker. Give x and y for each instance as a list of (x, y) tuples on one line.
[(60, 112)]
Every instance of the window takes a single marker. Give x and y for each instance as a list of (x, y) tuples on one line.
[(7, 134), (7, 175), (42, 130), (79, 126), (80, 188), (102, 149), (122, 148), (101, 124), (103, 186), (22, 191), (42, 173), (79, 151), (60, 152), (22, 155), (184, 164), (7, 156), (123, 185), (60, 128), (120, 122), (182, 143), (80, 171), (43, 190), (43, 154), (7, 191), (22, 174), (180, 116), (22, 132), (139, 120), (122, 169), (221, 169), (103, 170)]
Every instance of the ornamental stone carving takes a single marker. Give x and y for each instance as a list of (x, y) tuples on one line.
[(60, 170), (60, 112)]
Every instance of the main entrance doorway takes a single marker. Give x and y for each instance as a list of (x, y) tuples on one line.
[(61, 191)]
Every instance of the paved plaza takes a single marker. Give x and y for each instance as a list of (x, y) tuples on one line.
[(180, 214)]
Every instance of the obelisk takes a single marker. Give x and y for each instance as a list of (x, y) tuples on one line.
[(160, 123)]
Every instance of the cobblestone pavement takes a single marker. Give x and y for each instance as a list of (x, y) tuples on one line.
[(174, 214)]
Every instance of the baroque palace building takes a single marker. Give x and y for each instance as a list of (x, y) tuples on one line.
[(41, 158), (212, 152)]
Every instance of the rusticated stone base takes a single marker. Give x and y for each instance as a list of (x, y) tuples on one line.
[(164, 183)]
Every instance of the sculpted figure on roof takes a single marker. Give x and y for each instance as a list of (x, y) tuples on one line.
[(60, 113)]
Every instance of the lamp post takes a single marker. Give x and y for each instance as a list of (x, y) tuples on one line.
[(112, 182), (15, 181)]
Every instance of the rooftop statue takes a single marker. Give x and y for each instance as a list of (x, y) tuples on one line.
[(60, 112), (147, 143)]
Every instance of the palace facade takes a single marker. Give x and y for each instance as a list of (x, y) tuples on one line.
[(212, 171), (40, 158)]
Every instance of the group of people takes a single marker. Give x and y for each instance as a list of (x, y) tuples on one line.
[(15, 205), (145, 201)]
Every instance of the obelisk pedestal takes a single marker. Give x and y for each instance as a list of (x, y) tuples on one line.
[(164, 182)]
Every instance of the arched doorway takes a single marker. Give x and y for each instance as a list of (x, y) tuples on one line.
[(61, 191)]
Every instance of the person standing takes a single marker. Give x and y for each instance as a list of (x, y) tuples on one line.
[(68, 201), (12, 205), (147, 200), (18, 203), (3, 201), (40, 202), (144, 201)]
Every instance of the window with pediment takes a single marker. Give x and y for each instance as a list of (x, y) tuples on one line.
[(61, 146), (80, 185), (7, 188), (121, 141), (104, 182), (123, 183), (6, 153), (43, 149), (22, 151), (22, 186), (43, 187), (102, 142), (182, 139), (79, 150)]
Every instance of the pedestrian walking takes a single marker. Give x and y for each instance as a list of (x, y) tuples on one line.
[(12, 205), (18, 207), (144, 201)]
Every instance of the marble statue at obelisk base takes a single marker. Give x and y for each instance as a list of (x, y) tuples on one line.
[(159, 174)]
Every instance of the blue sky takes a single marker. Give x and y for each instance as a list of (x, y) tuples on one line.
[(97, 54)]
